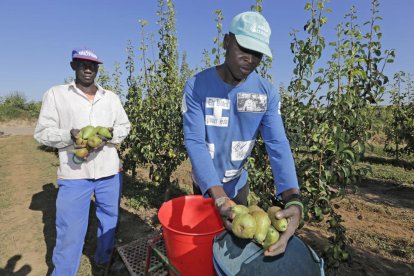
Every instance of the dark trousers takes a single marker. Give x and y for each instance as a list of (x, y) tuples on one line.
[(241, 197)]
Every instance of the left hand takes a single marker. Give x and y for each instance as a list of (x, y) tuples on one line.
[(111, 130), (225, 211), (293, 216)]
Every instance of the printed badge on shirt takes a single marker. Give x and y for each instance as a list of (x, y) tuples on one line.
[(229, 175), (217, 105), (211, 150), (240, 150), (251, 102)]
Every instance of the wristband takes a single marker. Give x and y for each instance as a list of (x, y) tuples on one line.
[(220, 201), (290, 197), (297, 203)]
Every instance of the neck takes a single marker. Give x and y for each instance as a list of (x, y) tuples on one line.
[(89, 89), (227, 76)]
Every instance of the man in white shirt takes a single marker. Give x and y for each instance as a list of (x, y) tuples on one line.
[(66, 109)]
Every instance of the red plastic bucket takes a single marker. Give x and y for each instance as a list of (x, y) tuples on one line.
[(189, 225)]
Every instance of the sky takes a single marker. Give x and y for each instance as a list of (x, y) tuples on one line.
[(37, 37)]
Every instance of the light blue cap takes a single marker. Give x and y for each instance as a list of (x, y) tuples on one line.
[(252, 32)]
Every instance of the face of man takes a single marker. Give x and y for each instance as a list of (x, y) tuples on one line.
[(240, 61), (85, 71)]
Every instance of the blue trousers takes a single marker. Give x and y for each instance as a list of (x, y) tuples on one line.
[(72, 213)]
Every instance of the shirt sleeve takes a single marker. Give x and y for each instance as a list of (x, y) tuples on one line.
[(277, 146), (47, 131), (195, 141), (122, 126)]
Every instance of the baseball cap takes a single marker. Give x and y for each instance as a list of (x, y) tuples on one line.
[(252, 32), (85, 53)]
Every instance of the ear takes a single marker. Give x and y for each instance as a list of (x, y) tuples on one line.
[(226, 41), (72, 65)]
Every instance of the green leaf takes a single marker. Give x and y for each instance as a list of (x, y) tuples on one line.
[(323, 20), (345, 171), (318, 211), (314, 148), (361, 147)]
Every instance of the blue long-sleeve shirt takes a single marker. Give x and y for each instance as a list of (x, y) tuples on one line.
[(221, 123)]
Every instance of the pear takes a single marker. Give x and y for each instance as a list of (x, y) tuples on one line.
[(94, 141), (84, 142), (104, 131), (262, 225), (79, 141), (253, 208), (239, 209), (273, 210), (244, 226), (280, 224), (272, 236), (81, 153), (97, 128), (88, 131)]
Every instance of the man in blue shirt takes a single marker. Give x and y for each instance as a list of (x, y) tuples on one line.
[(224, 108)]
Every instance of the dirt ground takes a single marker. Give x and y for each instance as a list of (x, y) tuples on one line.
[(379, 218)]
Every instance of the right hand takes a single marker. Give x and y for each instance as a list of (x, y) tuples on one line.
[(73, 133), (226, 213)]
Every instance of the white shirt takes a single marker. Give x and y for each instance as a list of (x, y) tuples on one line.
[(65, 107)]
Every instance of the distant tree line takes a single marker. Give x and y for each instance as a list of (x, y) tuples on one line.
[(16, 106)]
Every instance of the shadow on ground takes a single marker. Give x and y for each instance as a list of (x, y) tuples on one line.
[(11, 266), (408, 165), (44, 201), (364, 262), (130, 225), (388, 192)]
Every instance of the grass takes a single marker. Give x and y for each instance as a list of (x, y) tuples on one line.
[(388, 168), (4, 197), (378, 150), (390, 172), (5, 200)]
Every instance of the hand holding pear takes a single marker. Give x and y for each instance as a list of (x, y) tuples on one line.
[(254, 223), (88, 139)]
